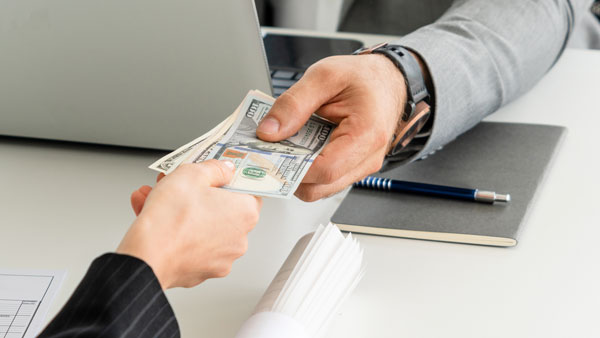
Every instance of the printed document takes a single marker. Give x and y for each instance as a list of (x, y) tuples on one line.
[(25, 296)]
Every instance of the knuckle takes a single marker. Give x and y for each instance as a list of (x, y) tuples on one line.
[(255, 216), (210, 167), (375, 166), (357, 135), (242, 247), (220, 172), (251, 216), (222, 271), (250, 209), (307, 194), (220, 268)]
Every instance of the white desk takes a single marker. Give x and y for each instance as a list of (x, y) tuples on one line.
[(61, 205)]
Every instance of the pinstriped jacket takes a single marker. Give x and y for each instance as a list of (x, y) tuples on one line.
[(118, 297)]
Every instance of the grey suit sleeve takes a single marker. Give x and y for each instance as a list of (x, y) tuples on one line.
[(482, 54)]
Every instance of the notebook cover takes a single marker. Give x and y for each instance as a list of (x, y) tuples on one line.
[(501, 157)]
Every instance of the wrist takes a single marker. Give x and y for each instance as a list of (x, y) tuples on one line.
[(137, 243), (397, 88), (416, 110)]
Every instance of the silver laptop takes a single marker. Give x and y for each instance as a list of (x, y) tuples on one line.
[(142, 73)]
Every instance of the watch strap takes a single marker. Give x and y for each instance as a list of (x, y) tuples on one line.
[(409, 66)]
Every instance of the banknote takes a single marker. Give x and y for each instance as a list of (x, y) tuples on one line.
[(202, 144), (173, 159), (201, 151), (265, 168), (169, 162)]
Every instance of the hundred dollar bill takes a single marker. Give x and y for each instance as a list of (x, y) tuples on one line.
[(200, 152), (173, 159), (169, 162), (265, 168)]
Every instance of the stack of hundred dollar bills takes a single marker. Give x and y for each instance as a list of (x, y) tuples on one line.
[(262, 168)]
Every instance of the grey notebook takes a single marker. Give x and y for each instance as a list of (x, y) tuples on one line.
[(502, 157)]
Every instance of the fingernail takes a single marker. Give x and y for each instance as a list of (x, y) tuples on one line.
[(269, 125), (229, 165)]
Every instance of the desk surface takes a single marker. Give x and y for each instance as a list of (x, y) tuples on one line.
[(64, 204)]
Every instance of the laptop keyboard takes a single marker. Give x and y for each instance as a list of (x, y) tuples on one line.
[(283, 79)]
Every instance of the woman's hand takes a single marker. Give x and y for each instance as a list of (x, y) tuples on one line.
[(187, 229)]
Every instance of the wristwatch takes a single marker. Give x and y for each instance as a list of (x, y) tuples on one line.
[(417, 109)]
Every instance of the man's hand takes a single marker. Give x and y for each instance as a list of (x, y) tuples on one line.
[(365, 95), (187, 229)]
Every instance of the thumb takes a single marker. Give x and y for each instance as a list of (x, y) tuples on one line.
[(295, 106), (215, 173)]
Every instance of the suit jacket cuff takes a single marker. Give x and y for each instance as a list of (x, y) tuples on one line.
[(119, 296)]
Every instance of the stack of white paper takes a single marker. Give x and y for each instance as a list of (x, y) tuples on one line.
[(320, 272)]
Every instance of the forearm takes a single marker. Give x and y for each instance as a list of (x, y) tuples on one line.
[(482, 54), (119, 296)]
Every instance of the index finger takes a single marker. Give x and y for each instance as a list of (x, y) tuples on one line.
[(214, 173)]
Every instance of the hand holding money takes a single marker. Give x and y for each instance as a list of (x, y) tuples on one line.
[(272, 169), (364, 95), (196, 235)]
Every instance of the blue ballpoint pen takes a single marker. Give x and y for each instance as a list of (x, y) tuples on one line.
[(476, 195)]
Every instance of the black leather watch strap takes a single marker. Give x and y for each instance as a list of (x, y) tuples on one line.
[(409, 66)]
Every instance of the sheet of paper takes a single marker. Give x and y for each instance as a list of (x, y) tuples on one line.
[(319, 274), (25, 296), (270, 296)]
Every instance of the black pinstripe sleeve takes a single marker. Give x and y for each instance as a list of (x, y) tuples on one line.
[(118, 297)]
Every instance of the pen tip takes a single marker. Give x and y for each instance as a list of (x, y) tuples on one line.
[(503, 198)]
